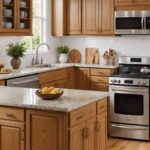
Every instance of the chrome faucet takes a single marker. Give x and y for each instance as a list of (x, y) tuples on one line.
[(37, 52)]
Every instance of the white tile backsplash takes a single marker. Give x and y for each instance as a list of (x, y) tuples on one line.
[(131, 45)]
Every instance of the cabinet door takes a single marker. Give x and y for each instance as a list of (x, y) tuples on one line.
[(61, 83), (24, 22), (11, 135), (91, 138), (74, 16), (8, 17), (83, 80), (106, 19), (99, 86), (2, 82), (90, 17), (44, 130), (77, 139), (71, 78), (101, 132)]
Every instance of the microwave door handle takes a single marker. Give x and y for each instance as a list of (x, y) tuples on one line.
[(142, 23), (25, 81), (128, 127)]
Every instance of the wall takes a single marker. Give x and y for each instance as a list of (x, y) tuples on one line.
[(135, 45), (49, 57)]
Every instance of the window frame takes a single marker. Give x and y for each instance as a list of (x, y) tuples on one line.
[(43, 29)]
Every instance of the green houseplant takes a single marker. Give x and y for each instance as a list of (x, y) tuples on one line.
[(63, 51), (16, 51)]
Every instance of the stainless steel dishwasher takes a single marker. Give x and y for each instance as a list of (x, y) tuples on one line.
[(30, 81)]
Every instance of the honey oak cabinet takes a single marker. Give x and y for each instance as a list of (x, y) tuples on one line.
[(2, 82), (71, 78), (80, 129), (74, 17), (98, 17), (44, 130), (132, 2), (90, 16), (59, 17), (56, 78), (16, 17), (12, 135), (12, 129), (99, 78), (82, 78)]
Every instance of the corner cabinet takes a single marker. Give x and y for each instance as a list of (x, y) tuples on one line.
[(16, 17)]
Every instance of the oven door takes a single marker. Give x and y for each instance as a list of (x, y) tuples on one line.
[(129, 105)]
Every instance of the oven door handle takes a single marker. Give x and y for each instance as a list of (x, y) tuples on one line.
[(130, 90), (128, 127)]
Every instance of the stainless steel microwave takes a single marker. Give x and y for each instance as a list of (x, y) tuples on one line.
[(132, 22)]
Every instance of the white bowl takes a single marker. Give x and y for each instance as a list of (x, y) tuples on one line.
[(23, 4), (22, 25), (8, 12), (8, 24), (7, 1)]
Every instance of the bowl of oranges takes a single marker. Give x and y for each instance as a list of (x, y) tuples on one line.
[(49, 93)]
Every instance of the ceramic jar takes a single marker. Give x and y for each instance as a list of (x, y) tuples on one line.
[(63, 58)]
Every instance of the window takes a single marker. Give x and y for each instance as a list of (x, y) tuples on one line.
[(39, 26)]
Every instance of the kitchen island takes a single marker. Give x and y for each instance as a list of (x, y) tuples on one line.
[(75, 121)]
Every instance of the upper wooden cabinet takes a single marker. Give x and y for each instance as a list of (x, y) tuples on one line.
[(16, 17), (74, 17), (98, 16), (88, 17), (132, 4), (90, 14)]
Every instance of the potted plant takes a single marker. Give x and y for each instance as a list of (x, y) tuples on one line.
[(16, 51), (63, 51)]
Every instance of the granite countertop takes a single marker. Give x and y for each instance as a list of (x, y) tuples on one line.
[(33, 70), (70, 100)]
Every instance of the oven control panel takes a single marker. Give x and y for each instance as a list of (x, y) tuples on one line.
[(129, 81)]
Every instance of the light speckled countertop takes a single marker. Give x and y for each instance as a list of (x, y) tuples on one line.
[(70, 100), (30, 71)]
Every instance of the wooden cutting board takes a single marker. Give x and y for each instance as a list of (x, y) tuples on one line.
[(92, 56), (74, 56)]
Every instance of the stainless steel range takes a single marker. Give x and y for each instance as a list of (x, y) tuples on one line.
[(129, 99)]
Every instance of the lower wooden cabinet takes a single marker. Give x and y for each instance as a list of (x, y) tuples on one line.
[(12, 135), (44, 130), (2, 82), (71, 78), (83, 78)]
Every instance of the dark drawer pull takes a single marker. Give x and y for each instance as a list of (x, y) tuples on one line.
[(102, 107), (10, 115), (79, 117)]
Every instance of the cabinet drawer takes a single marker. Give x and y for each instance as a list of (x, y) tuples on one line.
[(99, 79), (82, 114), (102, 106), (9, 113), (100, 72), (99, 86)]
